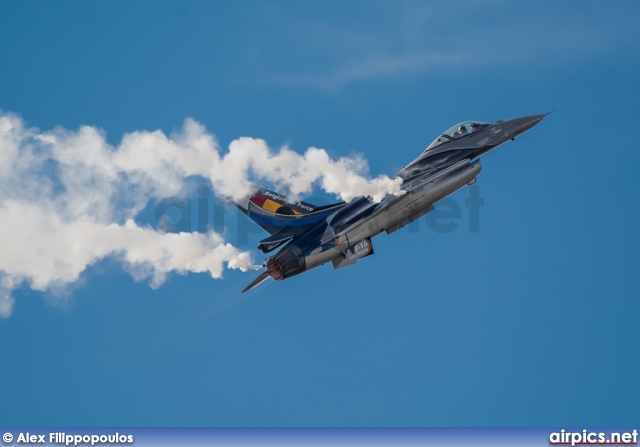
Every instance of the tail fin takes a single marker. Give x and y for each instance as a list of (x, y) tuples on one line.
[(273, 211), (279, 204)]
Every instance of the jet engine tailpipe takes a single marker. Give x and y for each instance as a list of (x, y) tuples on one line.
[(286, 269), (275, 270)]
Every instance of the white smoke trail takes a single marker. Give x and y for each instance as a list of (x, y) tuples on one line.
[(69, 199), (294, 172)]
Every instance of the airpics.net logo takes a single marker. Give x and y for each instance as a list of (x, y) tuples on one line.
[(586, 437)]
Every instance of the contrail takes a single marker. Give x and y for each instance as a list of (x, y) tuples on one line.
[(69, 199)]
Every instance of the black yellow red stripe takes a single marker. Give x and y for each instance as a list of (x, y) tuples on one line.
[(268, 204)]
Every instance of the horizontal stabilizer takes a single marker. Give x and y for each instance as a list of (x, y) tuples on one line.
[(256, 282), (278, 238)]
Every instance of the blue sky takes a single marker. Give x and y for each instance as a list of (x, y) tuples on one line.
[(531, 321)]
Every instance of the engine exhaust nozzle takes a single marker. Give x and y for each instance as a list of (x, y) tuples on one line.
[(275, 270)]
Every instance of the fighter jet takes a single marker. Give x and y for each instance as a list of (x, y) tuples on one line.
[(341, 233)]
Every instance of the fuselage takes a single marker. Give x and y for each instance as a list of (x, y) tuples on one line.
[(449, 163)]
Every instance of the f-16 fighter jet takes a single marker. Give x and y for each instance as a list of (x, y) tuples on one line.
[(341, 233)]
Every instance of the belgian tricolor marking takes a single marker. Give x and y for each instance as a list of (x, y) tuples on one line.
[(272, 206)]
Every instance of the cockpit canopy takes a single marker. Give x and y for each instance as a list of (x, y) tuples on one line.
[(458, 131)]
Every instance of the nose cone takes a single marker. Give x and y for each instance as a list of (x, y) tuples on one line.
[(521, 125), (503, 131)]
